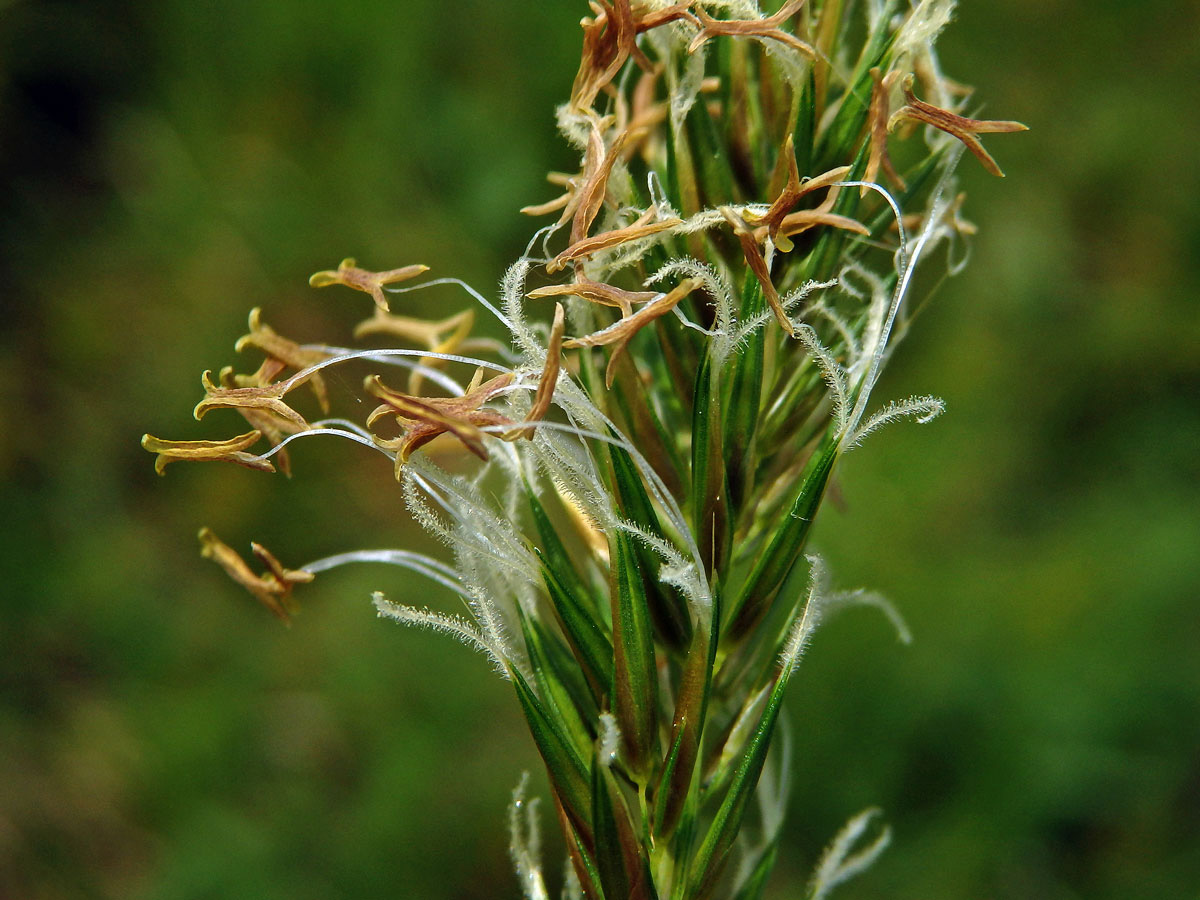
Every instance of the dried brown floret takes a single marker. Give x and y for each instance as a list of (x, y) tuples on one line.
[(610, 38), (585, 192)]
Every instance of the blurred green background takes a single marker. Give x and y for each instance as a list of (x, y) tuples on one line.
[(168, 165)]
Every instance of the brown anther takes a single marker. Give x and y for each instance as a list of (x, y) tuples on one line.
[(798, 222), (372, 283), (621, 332), (957, 222), (273, 428), (596, 292), (541, 209), (585, 192), (791, 194), (952, 214), (877, 118), (265, 398), (644, 91), (598, 165), (548, 381), (276, 569), (647, 21), (610, 38), (264, 375), (585, 247), (232, 450), (566, 201), (766, 27), (273, 588), (647, 112), (927, 73), (758, 265), (288, 352), (424, 418), (443, 336), (957, 126), (608, 41)]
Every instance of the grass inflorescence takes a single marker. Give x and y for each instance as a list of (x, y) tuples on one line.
[(695, 338)]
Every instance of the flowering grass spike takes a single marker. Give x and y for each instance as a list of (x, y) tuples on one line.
[(626, 488)]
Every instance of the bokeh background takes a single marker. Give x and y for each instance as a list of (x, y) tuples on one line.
[(168, 165)]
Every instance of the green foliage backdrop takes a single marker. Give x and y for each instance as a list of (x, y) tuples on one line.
[(169, 165)]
